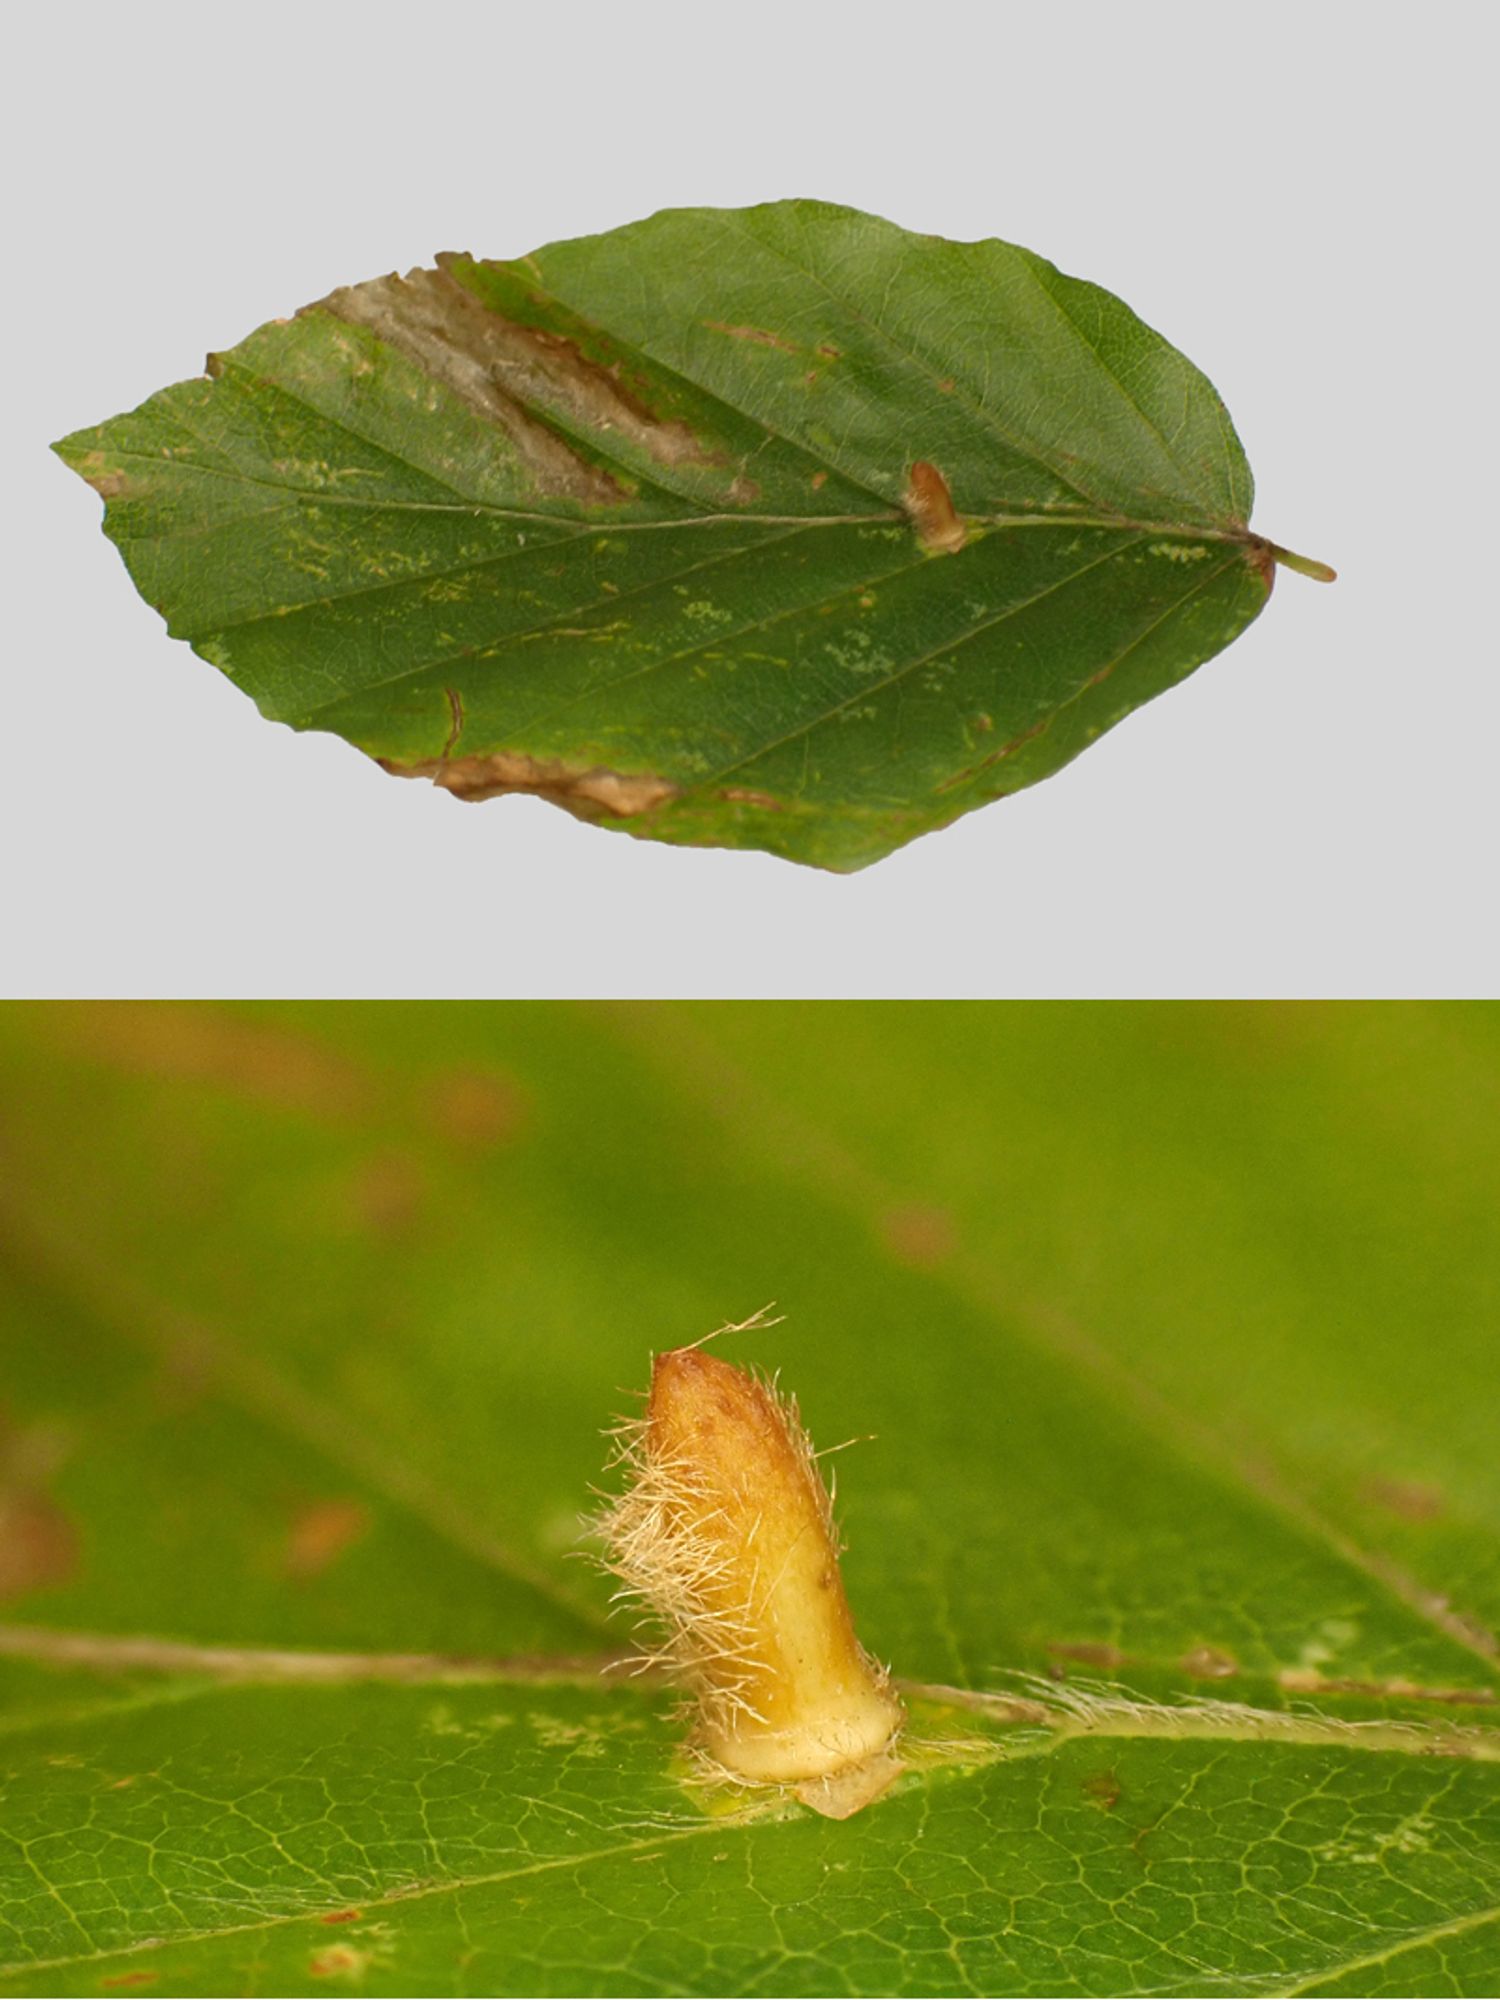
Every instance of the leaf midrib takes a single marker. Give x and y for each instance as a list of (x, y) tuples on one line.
[(607, 522), (1067, 1713)]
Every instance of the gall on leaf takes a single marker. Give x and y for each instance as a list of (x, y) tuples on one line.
[(724, 1533)]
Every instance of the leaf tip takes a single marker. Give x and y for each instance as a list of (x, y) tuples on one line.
[(81, 454)]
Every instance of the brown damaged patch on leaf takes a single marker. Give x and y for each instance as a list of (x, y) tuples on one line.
[(551, 368), (739, 795), (1212, 1663), (756, 335), (476, 1108), (387, 1193), (922, 1237), (321, 1534), (107, 480), (1104, 1789), (455, 720), (591, 794), (38, 1545), (339, 1961), (517, 377), (929, 507), (450, 336), (1209, 1663), (211, 1045), (1090, 1655), (1306, 1680), (341, 1917), (1409, 1499)]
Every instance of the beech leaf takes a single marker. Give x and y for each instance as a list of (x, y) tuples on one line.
[(779, 527)]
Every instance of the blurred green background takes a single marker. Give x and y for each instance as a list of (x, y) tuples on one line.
[(1172, 1329)]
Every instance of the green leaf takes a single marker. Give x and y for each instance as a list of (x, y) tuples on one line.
[(1169, 1334), (633, 523)]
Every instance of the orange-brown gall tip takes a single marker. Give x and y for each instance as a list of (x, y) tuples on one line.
[(929, 507), (726, 1532)]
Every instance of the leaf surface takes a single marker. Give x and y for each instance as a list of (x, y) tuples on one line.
[(1179, 1524), (778, 527)]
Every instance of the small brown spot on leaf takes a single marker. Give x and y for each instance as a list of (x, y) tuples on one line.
[(819, 479), (114, 1982), (1090, 1655), (387, 1193), (929, 507), (739, 795), (1409, 1499), (321, 1534), (338, 1961), (828, 351), (1104, 1789), (476, 1108), (38, 1544), (1208, 1663), (756, 335), (592, 794), (920, 1236), (455, 719), (341, 1917), (216, 1046)]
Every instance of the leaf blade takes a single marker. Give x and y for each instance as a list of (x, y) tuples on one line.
[(1173, 1327), (460, 448)]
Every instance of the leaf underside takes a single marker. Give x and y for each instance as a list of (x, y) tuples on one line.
[(1177, 1514), (631, 524)]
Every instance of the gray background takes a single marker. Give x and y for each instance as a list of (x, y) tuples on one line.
[(1296, 196)]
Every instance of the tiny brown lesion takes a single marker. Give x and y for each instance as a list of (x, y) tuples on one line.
[(455, 720), (929, 507), (758, 336)]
